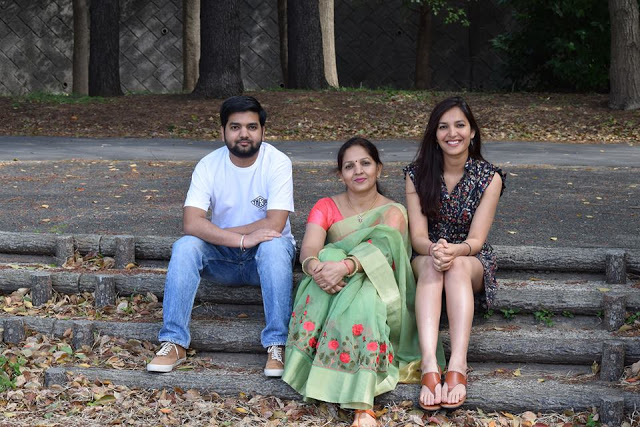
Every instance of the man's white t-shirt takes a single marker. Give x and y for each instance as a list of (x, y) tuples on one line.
[(239, 196)]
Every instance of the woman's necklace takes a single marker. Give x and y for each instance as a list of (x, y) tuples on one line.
[(360, 215)]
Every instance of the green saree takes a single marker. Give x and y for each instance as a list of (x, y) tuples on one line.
[(351, 346)]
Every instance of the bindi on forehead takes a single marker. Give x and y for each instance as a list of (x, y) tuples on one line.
[(360, 160)]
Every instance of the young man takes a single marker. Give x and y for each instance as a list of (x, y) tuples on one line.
[(248, 185)]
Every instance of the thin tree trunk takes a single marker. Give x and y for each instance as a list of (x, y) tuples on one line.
[(423, 48), (190, 43), (284, 46), (104, 48), (220, 74), (306, 61), (326, 8), (624, 71), (80, 47)]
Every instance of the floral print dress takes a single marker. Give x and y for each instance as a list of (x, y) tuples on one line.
[(457, 210)]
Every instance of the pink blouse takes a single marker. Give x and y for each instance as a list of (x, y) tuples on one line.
[(325, 213)]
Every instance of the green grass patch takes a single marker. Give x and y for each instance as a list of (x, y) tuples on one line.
[(509, 313), (544, 316)]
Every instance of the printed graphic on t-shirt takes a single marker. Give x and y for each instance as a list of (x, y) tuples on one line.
[(260, 203)]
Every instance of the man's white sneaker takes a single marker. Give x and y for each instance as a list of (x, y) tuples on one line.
[(168, 357), (275, 361)]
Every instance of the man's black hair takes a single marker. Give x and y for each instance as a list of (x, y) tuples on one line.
[(240, 104)]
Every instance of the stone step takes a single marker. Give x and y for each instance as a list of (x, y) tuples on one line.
[(556, 292), (538, 388), (493, 340), (159, 248)]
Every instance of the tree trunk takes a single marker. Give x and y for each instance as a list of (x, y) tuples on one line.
[(327, 25), (284, 49), (104, 48), (190, 43), (624, 71), (306, 61), (80, 47), (423, 48), (220, 74)]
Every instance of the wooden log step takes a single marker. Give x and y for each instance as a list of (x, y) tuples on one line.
[(575, 296), (506, 343), (488, 390), (159, 247)]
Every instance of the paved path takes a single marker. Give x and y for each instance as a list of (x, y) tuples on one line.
[(514, 153)]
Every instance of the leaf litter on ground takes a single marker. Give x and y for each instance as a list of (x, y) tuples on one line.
[(85, 402)]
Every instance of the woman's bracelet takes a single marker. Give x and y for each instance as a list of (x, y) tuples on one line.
[(346, 264), (465, 243), (355, 263), (242, 243), (304, 263)]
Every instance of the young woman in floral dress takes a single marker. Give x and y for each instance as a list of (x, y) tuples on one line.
[(352, 330), (452, 195)]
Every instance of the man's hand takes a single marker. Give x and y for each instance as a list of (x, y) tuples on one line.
[(258, 236)]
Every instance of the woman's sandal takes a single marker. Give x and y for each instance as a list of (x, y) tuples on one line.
[(431, 380), (453, 378), (356, 421)]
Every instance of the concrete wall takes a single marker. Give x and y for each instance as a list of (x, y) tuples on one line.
[(375, 46)]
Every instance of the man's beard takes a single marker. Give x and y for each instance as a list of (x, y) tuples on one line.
[(239, 151)]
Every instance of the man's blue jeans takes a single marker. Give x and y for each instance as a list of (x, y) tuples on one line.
[(269, 265)]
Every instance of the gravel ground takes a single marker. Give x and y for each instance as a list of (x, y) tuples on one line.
[(541, 206)]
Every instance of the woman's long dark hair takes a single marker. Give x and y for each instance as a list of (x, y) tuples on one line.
[(429, 161)]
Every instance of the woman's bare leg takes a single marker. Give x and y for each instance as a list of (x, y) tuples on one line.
[(461, 281), (428, 308)]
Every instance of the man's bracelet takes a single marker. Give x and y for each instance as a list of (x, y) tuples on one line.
[(242, 243)]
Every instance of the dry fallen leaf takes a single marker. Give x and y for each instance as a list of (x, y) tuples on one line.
[(625, 328)]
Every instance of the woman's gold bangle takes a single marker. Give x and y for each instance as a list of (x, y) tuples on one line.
[(355, 263), (304, 263)]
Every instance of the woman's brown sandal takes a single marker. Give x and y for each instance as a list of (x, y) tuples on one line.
[(356, 422), (430, 380), (453, 378)]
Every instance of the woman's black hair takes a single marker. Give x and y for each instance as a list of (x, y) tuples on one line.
[(368, 146), (429, 161)]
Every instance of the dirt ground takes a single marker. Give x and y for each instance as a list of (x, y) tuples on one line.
[(330, 115)]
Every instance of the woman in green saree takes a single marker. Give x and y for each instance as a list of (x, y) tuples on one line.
[(352, 332)]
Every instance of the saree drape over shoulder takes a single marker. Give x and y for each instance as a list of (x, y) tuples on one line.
[(351, 346)]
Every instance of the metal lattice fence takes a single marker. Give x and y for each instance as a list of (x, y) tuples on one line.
[(375, 46)]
